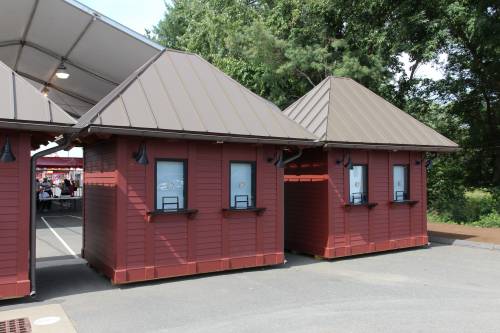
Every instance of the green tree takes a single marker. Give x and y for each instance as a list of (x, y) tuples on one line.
[(282, 48)]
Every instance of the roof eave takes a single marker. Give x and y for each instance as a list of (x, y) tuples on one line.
[(199, 136), (38, 127), (386, 146)]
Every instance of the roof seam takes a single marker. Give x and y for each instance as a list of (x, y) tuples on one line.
[(165, 90), (238, 83), (208, 95), (14, 96), (213, 70), (312, 93), (253, 110), (330, 101), (91, 114), (200, 119), (124, 109), (139, 80)]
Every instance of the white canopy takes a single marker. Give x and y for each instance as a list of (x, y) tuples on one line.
[(36, 36), (22, 106)]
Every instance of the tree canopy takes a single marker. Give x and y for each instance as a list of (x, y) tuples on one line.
[(282, 48)]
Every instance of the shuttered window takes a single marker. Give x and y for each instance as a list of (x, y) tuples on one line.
[(171, 185), (242, 182), (358, 184), (401, 180)]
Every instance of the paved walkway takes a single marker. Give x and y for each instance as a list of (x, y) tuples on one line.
[(462, 232)]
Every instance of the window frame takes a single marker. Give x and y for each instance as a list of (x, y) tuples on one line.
[(253, 165), (365, 180), (185, 190), (407, 180)]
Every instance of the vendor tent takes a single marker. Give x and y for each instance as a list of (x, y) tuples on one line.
[(38, 36)]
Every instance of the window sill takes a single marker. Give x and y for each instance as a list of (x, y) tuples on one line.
[(189, 212), (370, 205), (404, 202), (257, 210)]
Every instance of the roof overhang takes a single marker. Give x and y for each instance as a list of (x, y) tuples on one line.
[(37, 126), (155, 133), (388, 146)]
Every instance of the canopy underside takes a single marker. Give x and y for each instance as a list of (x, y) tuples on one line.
[(36, 36)]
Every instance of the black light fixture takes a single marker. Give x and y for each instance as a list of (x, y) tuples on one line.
[(141, 156), (428, 164), (62, 72), (7, 156), (349, 164)]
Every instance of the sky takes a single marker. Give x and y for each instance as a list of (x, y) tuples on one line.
[(142, 15), (134, 14)]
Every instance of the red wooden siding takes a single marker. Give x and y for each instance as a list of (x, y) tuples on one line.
[(174, 245), (14, 218), (100, 181), (322, 225)]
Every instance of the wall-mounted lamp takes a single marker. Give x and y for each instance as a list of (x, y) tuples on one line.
[(141, 157), (7, 156), (428, 164), (348, 165), (62, 72)]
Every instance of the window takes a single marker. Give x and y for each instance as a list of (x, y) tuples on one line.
[(242, 182), (358, 184), (170, 185), (400, 179)]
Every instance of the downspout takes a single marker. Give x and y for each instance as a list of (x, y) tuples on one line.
[(63, 144)]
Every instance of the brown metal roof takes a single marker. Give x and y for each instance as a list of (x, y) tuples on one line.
[(180, 94), (22, 106), (343, 113)]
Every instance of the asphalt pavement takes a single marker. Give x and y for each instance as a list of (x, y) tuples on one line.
[(436, 289)]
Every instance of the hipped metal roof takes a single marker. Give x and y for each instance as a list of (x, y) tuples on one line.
[(181, 95), (22, 106), (343, 113), (38, 35)]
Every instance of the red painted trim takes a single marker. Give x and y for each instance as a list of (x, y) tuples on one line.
[(191, 191), (120, 224), (144, 273)]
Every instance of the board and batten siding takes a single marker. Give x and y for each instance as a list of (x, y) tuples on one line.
[(326, 227), (160, 246), (14, 217)]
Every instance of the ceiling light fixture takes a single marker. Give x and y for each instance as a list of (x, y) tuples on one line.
[(61, 72), (45, 91)]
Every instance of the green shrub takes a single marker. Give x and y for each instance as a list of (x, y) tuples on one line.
[(479, 207), (492, 220), (478, 203)]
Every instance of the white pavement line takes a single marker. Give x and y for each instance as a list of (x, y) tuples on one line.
[(59, 238), (75, 217)]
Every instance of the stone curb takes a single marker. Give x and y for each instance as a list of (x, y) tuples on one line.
[(464, 243)]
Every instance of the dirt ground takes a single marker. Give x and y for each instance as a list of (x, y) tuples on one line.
[(455, 231)]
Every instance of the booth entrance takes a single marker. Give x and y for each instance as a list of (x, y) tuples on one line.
[(59, 220)]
